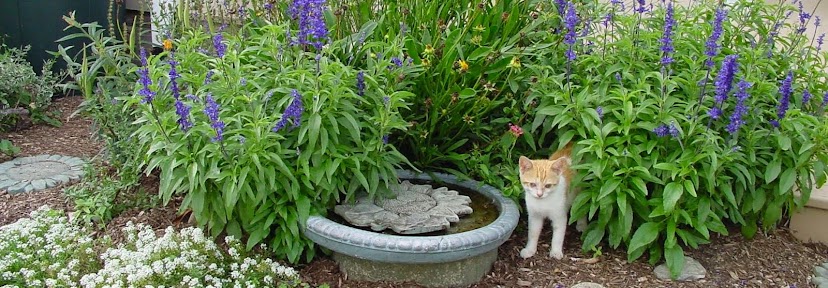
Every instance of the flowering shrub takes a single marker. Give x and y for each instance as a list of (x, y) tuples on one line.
[(259, 129), (184, 259), (45, 250), (684, 126)]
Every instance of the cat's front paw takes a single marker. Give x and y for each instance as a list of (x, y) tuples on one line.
[(527, 252), (556, 253)]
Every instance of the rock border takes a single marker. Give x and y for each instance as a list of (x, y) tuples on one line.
[(820, 278), (17, 183)]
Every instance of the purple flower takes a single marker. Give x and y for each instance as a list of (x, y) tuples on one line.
[(600, 111), (712, 45), (618, 77), (243, 82), (667, 38), (208, 77), (816, 21), (386, 100), (662, 130), (242, 140), (396, 61), (724, 82), (619, 2), (570, 20), (824, 99), (144, 79), (360, 83), (292, 113), (607, 19), (174, 77), (211, 109), (742, 95), (806, 97), (561, 5), (385, 139), (220, 47), (268, 6), (819, 41), (785, 90), (803, 17), (642, 6), (312, 27), (183, 112)]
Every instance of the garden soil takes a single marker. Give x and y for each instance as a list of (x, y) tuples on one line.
[(775, 259)]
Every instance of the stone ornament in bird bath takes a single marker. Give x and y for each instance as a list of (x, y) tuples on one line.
[(411, 209)]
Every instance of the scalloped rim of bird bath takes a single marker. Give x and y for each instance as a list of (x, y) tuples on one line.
[(34, 173)]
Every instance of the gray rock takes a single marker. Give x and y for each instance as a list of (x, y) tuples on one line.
[(587, 285), (60, 178), (39, 184), (818, 280), (5, 184), (825, 265), (821, 271), (18, 188), (693, 270)]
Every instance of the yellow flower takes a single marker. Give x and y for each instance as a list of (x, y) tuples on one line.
[(168, 44), (426, 63), (428, 49), (464, 66), (479, 28), (515, 63)]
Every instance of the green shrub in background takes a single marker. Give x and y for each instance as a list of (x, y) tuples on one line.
[(682, 128), (104, 76), (258, 131), (21, 89)]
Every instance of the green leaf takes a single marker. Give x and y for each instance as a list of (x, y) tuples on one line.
[(609, 186), (774, 167), (644, 235), (690, 188), (787, 180), (674, 256), (256, 236), (784, 141), (672, 193)]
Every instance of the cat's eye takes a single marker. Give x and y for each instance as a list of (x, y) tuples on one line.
[(533, 185), (548, 186)]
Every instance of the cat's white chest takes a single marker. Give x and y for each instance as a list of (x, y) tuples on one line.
[(550, 206)]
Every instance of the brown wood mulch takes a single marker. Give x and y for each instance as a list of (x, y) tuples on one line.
[(773, 260)]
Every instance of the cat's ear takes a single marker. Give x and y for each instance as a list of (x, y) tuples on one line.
[(525, 164), (561, 163)]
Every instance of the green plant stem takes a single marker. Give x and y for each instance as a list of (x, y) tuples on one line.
[(158, 121)]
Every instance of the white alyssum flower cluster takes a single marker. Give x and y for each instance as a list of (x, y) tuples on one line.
[(46, 250), (183, 259)]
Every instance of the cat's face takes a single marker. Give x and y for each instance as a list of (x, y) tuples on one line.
[(540, 177)]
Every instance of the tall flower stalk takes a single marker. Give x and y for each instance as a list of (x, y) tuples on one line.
[(724, 83), (570, 21), (147, 93), (785, 91), (181, 109), (736, 119), (712, 50), (312, 28)]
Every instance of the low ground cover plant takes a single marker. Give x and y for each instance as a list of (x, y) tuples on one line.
[(46, 249)]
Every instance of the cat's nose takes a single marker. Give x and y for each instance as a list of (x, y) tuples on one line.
[(539, 194)]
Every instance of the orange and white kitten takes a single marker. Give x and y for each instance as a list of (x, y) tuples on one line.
[(548, 195)]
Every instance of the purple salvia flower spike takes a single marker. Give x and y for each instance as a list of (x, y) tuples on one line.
[(736, 119), (211, 109), (667, 38), (785, 90), (712, 46), (144, 79)]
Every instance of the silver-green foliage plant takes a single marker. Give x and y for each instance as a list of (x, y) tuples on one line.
[(21, 88), (258, 131), (686, 120)]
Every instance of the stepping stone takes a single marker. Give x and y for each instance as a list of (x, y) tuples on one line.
[(39, 172), (693, 270)]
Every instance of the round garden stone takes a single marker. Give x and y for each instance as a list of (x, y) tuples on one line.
[(693, 270), (34, 173)]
